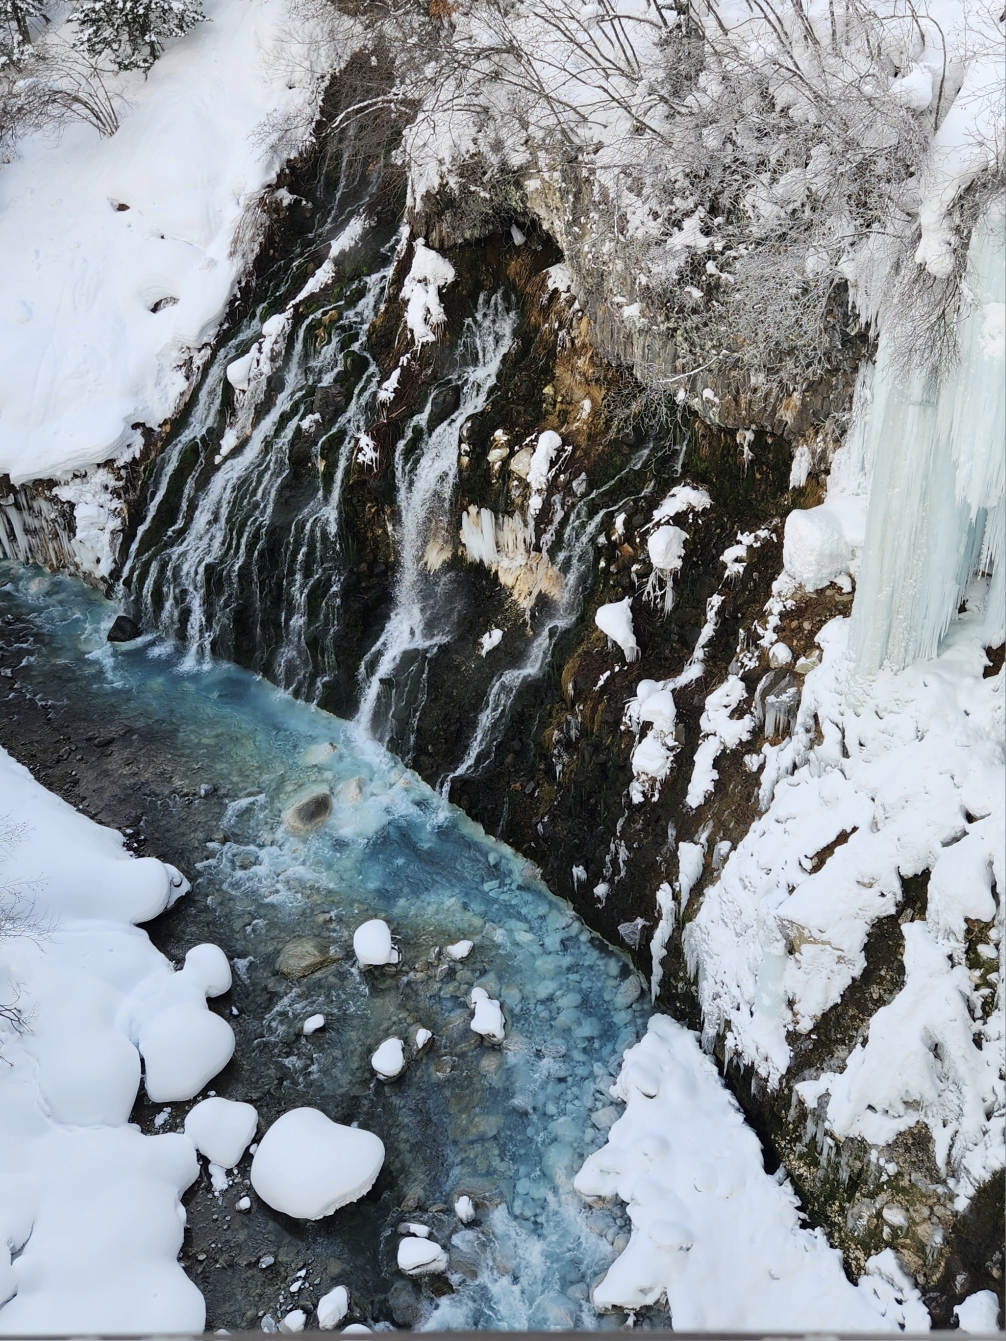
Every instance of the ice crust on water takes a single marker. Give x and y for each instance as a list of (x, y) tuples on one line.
[(308, 1166), (221, 1129), (91, 1206), (372, 944), (710, 1229), (615, 620)]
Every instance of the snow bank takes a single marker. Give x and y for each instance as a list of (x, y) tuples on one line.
[(221, 1129), (96, 235), (899, 775), (308, 1166), (711, 1230), (89, 1208)]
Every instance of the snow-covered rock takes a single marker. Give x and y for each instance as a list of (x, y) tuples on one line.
[(308, 1166), (464, 1209), (389, 1059), (428, 274), (332, 1308), (459, 950), (221, 1129), (488, 1017), (372, 944), (312, 1024), (615, 620), (183, 1048), (421, 1257)]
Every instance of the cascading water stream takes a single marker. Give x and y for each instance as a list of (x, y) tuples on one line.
[(420, 617), (241, 550), (573, 562)]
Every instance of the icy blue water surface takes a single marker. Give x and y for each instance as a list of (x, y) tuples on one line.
[(508, 1125)]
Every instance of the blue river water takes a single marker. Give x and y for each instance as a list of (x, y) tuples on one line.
[(507, 1125)]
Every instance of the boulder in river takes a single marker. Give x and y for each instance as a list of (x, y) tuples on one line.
[(301, 956), (308, 1166), (123, 630), (310, 812)]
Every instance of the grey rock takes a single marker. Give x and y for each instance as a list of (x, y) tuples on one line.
[(301, 956)]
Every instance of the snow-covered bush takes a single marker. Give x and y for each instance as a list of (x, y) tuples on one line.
[(132, 33), (721, 175)]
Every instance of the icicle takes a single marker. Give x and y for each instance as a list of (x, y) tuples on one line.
[(936, 498)]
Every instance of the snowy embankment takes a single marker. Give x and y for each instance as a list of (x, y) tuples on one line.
[(711, 1230), (119, 255), (90, 1208)]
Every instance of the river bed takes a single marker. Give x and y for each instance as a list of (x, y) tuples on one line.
[(211, 759)]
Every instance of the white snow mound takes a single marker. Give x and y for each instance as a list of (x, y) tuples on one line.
[(221, 1129), (308, 1166)]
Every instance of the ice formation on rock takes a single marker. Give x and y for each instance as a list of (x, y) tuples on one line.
[(615, 620), (936, 514)]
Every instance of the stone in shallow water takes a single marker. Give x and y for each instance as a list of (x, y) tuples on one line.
[(301, 956), (421, 1257), (553, 1312), (308, 1166), (123, 630), (389, 1059), (310, 812), (628, 992)]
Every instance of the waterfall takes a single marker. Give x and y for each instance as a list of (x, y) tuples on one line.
[(241, 546), (935, 520), (392, 674), (573, 562)]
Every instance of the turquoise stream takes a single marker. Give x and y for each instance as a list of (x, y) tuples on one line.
[(508, 1125)]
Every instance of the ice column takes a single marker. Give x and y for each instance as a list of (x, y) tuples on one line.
[(936, 498)]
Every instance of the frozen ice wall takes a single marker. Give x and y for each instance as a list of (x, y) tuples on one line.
[(936, 500)]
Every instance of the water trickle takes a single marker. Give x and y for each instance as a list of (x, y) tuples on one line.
[(392, 675), (504, 1125)]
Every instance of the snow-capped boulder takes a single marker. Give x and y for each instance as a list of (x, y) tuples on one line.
[(308, 1166)]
